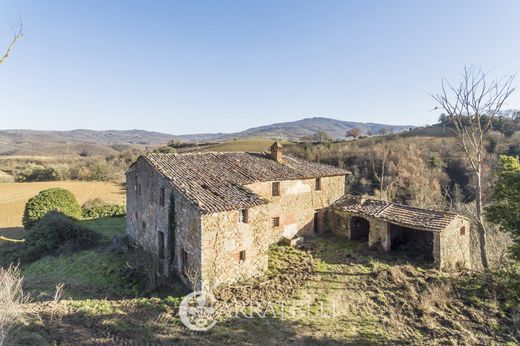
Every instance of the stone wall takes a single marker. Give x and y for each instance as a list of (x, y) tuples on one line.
[(297, 204), (224, 237), (451, 248), (339, 224), (146, 217), (454, 245)]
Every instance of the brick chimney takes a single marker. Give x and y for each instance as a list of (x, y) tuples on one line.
[(276, 151)]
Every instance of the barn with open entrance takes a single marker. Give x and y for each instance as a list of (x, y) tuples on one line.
[(439, 237)]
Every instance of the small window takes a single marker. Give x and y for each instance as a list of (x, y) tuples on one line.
[(318, 184), (242, 256), (161, 244), (139, 189), (276, 221), (242, 216), (276, 189), (463, 230), (136, 216), (144, 225), (161, 196)]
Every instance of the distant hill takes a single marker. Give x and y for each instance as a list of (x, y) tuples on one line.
[(293, 130), (33, 142)]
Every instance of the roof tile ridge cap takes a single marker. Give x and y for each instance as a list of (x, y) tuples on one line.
[(380, 212), (446, 212)]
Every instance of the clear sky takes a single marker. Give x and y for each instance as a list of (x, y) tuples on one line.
[(222, 66)]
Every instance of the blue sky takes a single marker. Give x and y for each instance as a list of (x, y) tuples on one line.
[(211, 66)]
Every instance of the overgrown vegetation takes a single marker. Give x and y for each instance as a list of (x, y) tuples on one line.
[(55, 199), (57, 233), (97, 208)]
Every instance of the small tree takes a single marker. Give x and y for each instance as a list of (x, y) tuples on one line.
[(471, 106), (353, 132), (505, 206)]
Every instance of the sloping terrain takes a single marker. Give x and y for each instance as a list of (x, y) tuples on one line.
[(333, 292)]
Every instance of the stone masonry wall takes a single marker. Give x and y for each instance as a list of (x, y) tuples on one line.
[(224, 237), (454, 245), (339, 224), (297, 203), (146, 218)]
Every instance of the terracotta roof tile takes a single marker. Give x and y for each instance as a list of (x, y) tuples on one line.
[(215, 181), (424, 219)]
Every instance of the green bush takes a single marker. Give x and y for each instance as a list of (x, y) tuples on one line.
[(48, 200), (57, 232), (97, 208)]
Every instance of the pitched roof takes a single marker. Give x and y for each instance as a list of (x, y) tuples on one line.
[(423, 219), (215, 181)]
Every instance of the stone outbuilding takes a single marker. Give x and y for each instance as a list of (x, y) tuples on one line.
[(210, 217), (437, 236)]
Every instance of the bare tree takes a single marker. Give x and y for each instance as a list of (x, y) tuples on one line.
[(17, 35), (471, 105)]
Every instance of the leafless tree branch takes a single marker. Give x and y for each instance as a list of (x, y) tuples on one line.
[(17, 35)]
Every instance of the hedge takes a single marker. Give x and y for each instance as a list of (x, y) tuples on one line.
[(55, 199), (103, 210)]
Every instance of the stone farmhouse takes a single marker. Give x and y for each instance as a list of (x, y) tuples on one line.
[(210, 218)]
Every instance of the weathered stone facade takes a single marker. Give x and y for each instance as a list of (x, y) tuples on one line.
[(206, 248), (178, 220), (447, 246)]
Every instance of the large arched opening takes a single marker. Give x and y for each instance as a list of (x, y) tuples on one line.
[(359, 229)]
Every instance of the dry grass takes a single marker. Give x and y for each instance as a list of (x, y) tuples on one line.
[(12, 300), (13, 196)]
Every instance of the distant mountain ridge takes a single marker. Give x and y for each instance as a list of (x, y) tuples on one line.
[(39, 142)]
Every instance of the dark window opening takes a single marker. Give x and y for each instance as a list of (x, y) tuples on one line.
[(243, 216), (318, 184), (411, 242), (242, 256), (463, 230), (161, 244), (144, 225), (161, 196), (276, 221), (139, 189), (316, 223), (136, 216), (276, 189), (359, 229)]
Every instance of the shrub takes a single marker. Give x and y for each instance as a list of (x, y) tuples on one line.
[(56, 232), (48, 200), (97, 208), (34, 172)]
